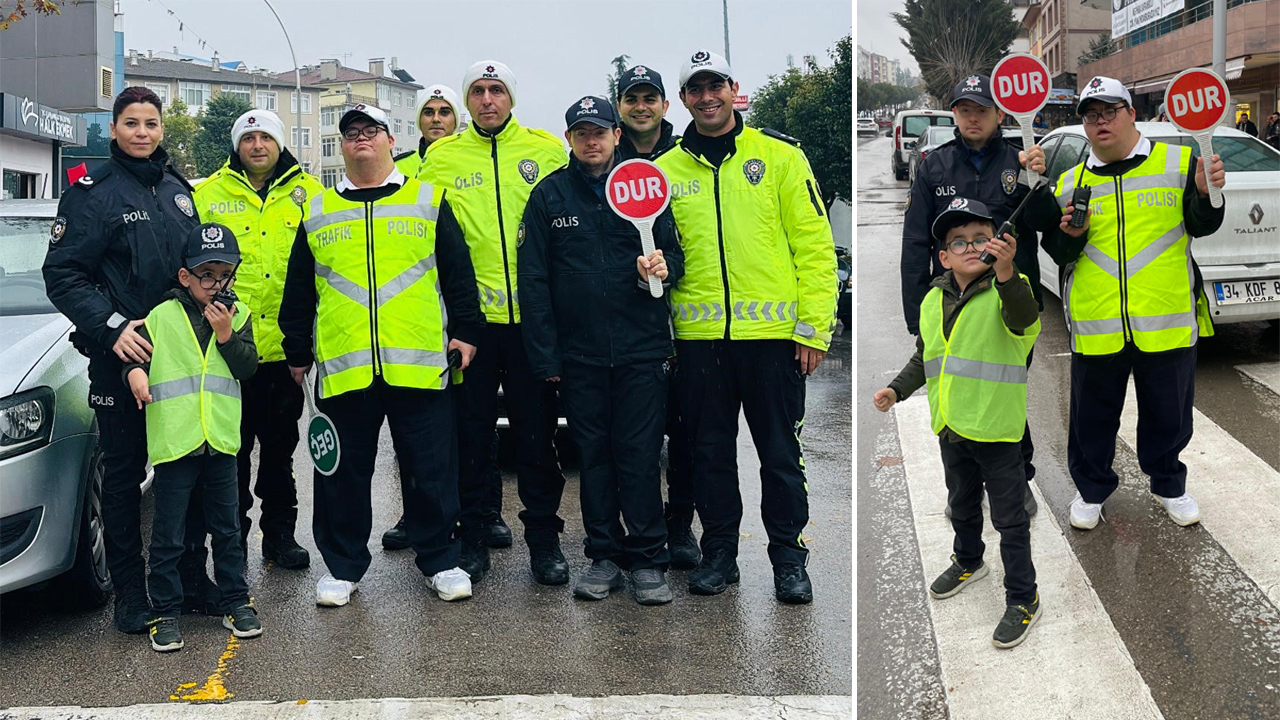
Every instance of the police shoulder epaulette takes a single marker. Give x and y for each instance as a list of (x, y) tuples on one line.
[(664, 151), (780, 136), (97, 175), (546, 135), (403, 155)]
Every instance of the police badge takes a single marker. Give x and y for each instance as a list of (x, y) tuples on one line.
[(58, 230), (754, 170), (520, 235), (184, 204), (1009, 180), (211, 235), (528, 170), (299, 195), (958, 204)]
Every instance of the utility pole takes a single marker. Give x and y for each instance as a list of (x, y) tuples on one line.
[(297, 80), (726, 32), (1220, 38)]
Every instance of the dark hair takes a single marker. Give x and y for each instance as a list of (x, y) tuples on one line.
[(961, 221), (131, 95)]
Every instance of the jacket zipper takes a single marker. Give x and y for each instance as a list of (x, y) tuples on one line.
[(813, 198), (1124, 286), (724, 267), (502, 233), (373, 288)]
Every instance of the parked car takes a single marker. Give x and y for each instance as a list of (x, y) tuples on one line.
[(867, 126), (50, 464), (1240, 263), (908, 125), (930, 140)]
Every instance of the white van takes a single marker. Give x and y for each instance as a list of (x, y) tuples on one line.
[(909, 125)]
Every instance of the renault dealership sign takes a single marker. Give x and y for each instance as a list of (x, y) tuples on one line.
[(1130, 15), (20, 115)]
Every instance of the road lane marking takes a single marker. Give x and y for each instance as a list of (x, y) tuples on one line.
[(1238, 494), (214, 688), (548, 707), (1265, 374), (1074, 645)]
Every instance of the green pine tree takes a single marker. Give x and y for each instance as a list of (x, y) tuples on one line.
[(952, 40)]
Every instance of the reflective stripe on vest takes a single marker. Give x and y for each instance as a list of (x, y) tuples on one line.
[(397, 329), (187, 384), (1135, 279), (977, 379)]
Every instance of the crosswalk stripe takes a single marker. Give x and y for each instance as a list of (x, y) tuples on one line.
[(1265, 374), (550, 707), (1238, 494), (1073, 645)]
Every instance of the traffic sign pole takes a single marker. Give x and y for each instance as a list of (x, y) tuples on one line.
[(646, 241), (1020, 87), (1196, 101), (322, 435)]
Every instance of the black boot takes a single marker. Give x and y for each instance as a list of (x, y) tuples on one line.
[(791, 584), (681, 542), (132, 607), (497, 534), (397, 538), (546, 561), (717, 571), (474, 560), (284, 551), (200, 596)]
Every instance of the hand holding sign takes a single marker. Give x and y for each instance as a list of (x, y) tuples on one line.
[(1020, 87), (1196, 100), (638, 191)]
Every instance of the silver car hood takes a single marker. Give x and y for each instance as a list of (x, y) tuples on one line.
[(24, 339)]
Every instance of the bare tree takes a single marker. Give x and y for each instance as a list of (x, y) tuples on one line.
[(952, 40)]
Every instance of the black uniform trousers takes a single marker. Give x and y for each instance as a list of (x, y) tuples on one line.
[(271, 408), (531, 408), (425, 441), (716, 379), (175, 482), (679, 463), (616, 416), (968, 466), (1165, 383), (122, 439), (1026, 447)]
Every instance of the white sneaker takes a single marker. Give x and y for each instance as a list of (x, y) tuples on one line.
[(332, 592), (1182, 509), (1085, 515), (452, 584)]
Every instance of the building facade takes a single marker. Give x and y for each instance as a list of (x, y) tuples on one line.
[(1059, 32)]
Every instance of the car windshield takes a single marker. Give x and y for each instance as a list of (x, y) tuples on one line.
[(913, 125), (940, 134), (23, 241), (1239, 154)]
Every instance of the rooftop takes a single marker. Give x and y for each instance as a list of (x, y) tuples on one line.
[(141, 66)]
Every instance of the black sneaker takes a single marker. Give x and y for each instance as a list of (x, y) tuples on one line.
[(132, 610), (1017, 620), (397, 538), (682, 544), (498, 535), (650, 586), (200, 595), (243, 622), (165, 635), (474, 560), (602, 577), (284, 551), (547, 562), (717, 571), (955, 578), (791, 584)]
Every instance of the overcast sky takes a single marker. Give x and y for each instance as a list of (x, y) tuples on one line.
[(559, 51), (878, 32)]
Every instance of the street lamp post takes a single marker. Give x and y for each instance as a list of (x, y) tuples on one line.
[(297, 75)]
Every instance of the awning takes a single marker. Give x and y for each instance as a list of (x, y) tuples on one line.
[(1234, 67)]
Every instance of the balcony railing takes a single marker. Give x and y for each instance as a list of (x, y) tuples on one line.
[(1164, 26)]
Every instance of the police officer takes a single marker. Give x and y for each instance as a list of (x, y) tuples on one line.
[(589, 324), (979, 164), (753, 316), (261, 193), (379, 269), (114, 249), (490, 170), (642, 106), (1134, 296), (437, 118)]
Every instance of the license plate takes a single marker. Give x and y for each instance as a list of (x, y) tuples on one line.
[(1248, 291)]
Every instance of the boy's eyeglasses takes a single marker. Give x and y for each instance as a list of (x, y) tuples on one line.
[(960, 247), (369, 131), (209, 282), (1108, 114)]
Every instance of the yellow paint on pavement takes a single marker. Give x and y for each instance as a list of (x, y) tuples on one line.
[(214, 688)]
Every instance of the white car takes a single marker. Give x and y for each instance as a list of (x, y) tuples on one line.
[(907, 126), (1240, 263), (867, 126)]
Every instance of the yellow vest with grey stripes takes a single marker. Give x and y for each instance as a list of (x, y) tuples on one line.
[(1135, 280), (194, 398), (379, 308), (977, 379)]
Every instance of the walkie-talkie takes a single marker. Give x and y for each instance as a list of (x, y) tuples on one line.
[(455, 361), (225, 294), (1007, 227), (1080, 206)]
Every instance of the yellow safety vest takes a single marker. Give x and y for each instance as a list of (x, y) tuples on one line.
[(379, 308), (489, 180), (194, 398), (1135, 279), (265, 231), (759, 258), (977, 379)]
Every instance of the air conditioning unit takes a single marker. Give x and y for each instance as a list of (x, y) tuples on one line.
[(106, 81)]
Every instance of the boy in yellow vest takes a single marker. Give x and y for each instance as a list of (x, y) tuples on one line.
[(200, 351), (972, 355)]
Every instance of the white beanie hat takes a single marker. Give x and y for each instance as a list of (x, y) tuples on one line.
[(490, 70), (259, 121), (439, 92)]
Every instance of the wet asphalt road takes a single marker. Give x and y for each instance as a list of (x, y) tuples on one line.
[(1200, 632), (514, 637)]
